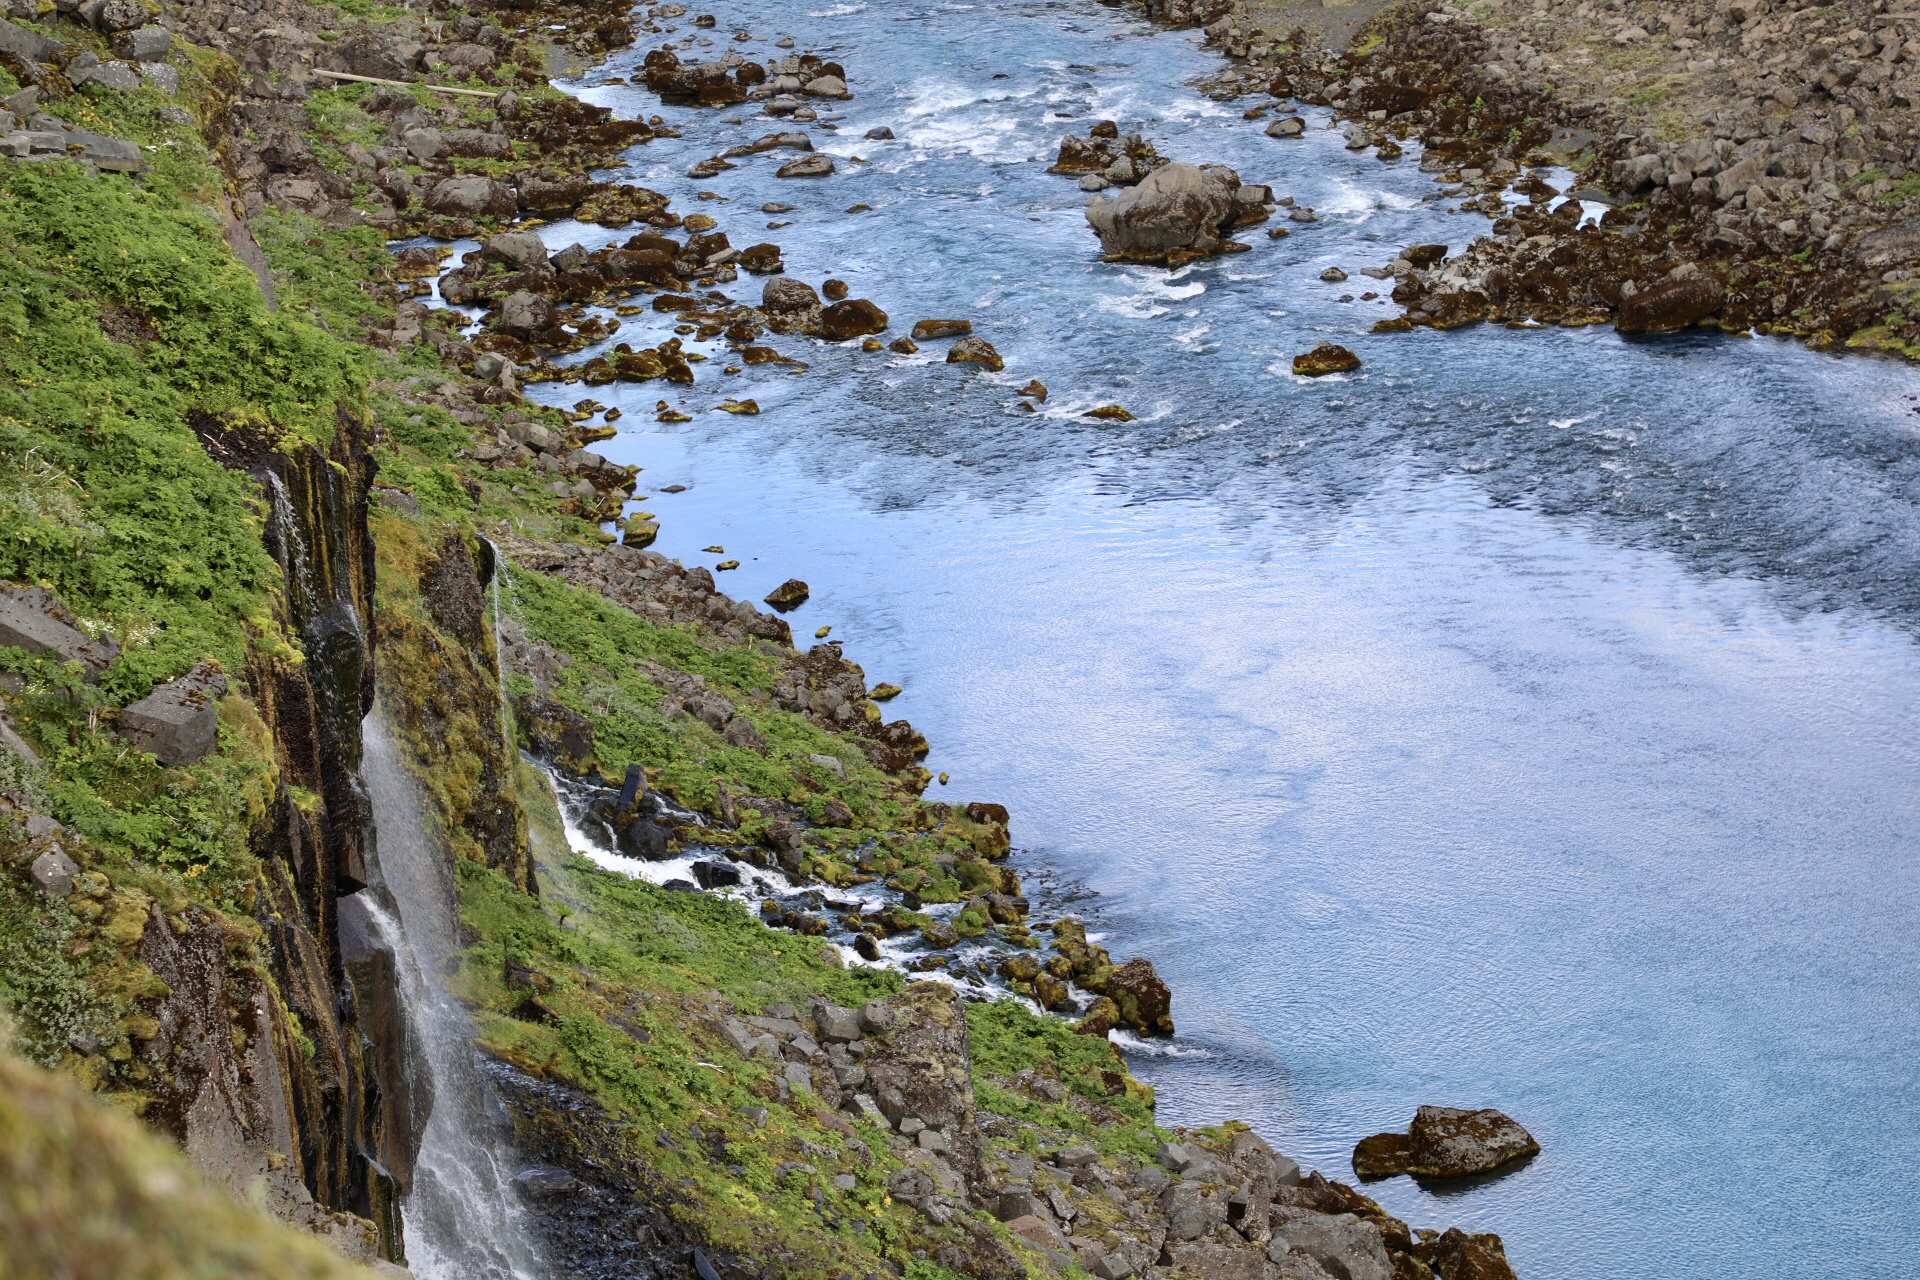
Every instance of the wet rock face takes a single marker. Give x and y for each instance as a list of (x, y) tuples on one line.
[(405, 1102), (450, 587), (1181, 208), (555, 733), (597, 1210), (1445, 1142)]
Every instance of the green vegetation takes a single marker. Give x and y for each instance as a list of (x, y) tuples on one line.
[(85, 1191)]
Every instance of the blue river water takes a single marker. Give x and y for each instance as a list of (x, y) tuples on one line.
[(1526, 719)]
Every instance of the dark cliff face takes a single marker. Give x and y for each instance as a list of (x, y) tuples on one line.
[(311, 1096)]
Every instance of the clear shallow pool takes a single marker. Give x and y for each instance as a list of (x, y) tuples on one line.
[(1527, 719)]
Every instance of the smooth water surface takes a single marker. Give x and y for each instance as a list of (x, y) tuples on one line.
[(1526, 720)]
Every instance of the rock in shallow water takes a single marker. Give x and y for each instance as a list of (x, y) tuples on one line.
[(1673, 305), (1445, 1142), (1323, 359), (975, 351), (1181, 208)]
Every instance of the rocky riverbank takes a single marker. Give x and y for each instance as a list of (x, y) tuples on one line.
[(696, 1089), (1753, 159)]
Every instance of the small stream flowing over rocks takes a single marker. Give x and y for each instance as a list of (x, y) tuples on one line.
[(1519, 719)]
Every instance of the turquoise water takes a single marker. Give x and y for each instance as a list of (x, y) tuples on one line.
[(1525, 720)]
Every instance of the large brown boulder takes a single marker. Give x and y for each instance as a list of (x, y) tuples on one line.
[(1323, 359), (1673, 305), (853, 318), (786, 295), (1144, 1001), (1445, 1142), (1179, 208)]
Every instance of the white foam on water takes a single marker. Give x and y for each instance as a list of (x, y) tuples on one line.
[(1130, 1043), (838, 11)]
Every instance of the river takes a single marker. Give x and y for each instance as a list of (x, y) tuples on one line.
[(1524, 720)]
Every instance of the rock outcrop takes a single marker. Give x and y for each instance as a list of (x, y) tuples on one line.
[(1445, 1142), (1177, 211)]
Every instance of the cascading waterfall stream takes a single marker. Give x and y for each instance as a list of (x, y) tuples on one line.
[(463, 1219)]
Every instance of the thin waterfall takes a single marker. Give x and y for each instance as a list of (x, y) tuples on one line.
[(463, 1217)]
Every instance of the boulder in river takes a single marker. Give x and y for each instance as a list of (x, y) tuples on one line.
[(1290, 127), (1144, 1001), (761, 259), (928, 330), (1459, 1256), (975, 351), (1179, 210), (786, 295), (809, 166), (1325, 358), (852, 318), (1672, 305), (1445, 1142), (790, 594)]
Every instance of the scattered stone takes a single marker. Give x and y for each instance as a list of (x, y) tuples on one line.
[(1037, 389), (1445, 1142), (1333, 274), (32, 618), (929, 330), (790, 594), (1109, 413), (812, 166), (1290, 127), (880, 133), (1323, 359), (975, 351), (54, 872), (904, 346)]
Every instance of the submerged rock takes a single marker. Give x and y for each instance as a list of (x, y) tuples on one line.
[(1445, 1142), (928, 330)]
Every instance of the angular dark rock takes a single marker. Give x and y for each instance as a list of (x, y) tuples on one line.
[(179, 721)]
